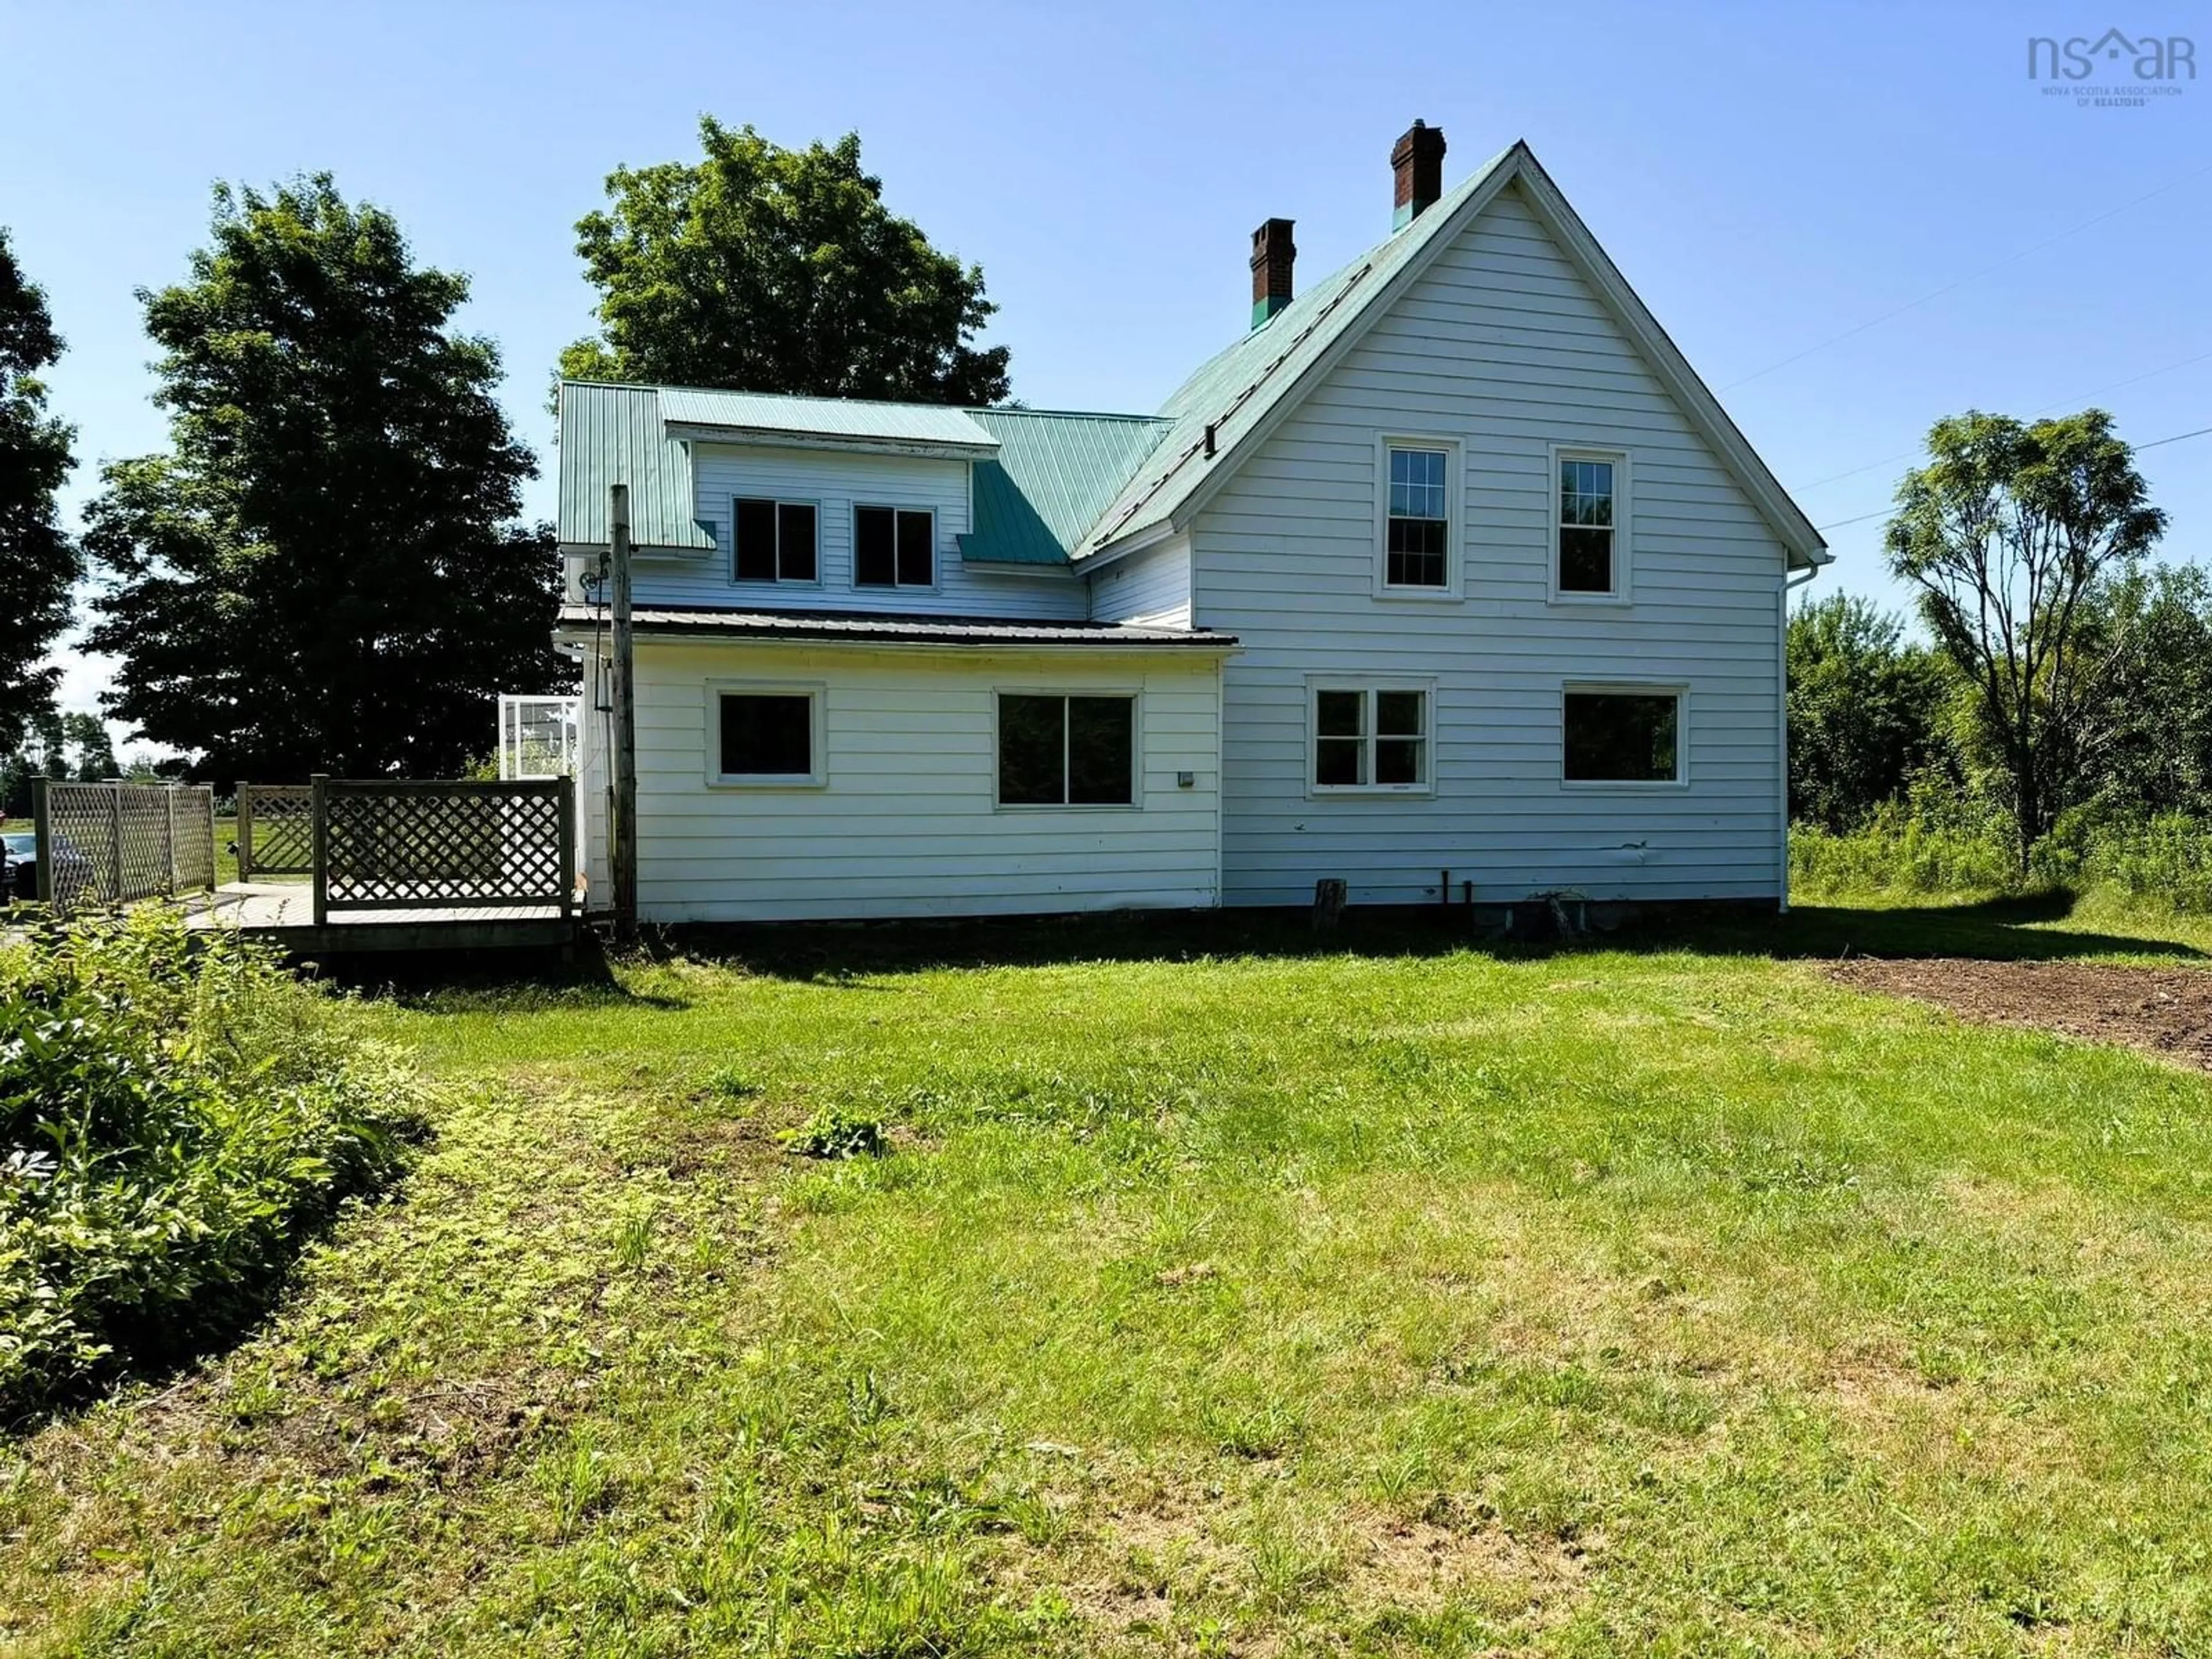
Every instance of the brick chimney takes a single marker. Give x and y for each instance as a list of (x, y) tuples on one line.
[(1272, 255), (1417, 159)]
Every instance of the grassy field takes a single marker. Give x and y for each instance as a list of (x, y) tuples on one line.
[(1392, 1298)]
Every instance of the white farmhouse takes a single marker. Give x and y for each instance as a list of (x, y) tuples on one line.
[(1450, 570)]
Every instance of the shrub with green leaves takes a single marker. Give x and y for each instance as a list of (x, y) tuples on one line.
[(2163, 862), (176, 1111)]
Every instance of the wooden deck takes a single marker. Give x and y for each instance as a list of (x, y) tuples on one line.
[(283, 912)]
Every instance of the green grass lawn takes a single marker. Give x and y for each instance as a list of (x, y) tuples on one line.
[(1392, 1298)]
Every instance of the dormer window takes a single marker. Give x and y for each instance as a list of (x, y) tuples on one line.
[(776, 541), (894, 547)]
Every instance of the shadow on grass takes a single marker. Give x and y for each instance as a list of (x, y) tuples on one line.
[(515, 980), (849, 954), (1993, 930)]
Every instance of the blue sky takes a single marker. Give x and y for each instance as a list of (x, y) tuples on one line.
[(1768, 177)]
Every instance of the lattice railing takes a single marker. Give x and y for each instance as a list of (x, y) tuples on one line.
[(110, 843), (276, 831), (444, 846)]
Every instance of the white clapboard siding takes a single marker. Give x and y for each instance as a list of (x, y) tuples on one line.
[(838, 482), (1503, 345), (1151, 587), (907, 824)]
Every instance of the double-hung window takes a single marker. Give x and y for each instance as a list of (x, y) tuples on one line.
[(1057, 751), (766, 734), (1590, 548), (894, 547), (1372, 737), (1417, 519), (1620, 734), (775, 541)]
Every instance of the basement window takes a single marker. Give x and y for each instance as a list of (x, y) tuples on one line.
[(1623, 734), (768, 735), (894, 547), (1066, 750), (1373, 739), (776, 541)]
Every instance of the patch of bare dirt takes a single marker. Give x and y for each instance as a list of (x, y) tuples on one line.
[(2162, 1011), (1419, 1563)]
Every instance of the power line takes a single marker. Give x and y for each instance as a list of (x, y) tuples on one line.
[(1974, 276), (2059, 403), (2155, 443), (2176, 438), (1825, 528)]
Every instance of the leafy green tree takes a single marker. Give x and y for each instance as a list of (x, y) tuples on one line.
[(41, 756), (325, 572), (88, 740), (41, 565), (2147, 747), (761, 268), (16, 772), (2010, 531), (1866, 710)]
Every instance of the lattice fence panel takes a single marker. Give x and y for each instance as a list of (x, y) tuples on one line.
[(447, 845), (110, 843), (195, 838), (276, 830)]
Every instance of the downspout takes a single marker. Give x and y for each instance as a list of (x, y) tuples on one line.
[(1782, 714)]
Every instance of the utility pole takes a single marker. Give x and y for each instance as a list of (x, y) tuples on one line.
[(623, 831)]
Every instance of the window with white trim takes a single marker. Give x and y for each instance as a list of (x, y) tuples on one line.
[(1417, 519), (1623, 734), (1374, 737), (768, 735), (775, 541), (894, 547), (1586, 516), (1056, 750)]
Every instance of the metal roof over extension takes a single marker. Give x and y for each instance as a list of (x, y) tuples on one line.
[(876, 627), (846, 423), (613, 435), (1051, 476)]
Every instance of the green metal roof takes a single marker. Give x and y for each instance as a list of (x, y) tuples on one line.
[(1234, 392), (1053, 475), (613, 435), (764, 416)]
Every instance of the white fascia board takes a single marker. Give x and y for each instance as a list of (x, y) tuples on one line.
[(768, 437)]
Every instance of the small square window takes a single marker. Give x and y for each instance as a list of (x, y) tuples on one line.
[(1067, 751), (1370, 738), (768, 736), (775, 541), (1623, 736), (894, 547)]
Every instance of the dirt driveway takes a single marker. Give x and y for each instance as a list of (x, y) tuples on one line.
[(2164, 1010)]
